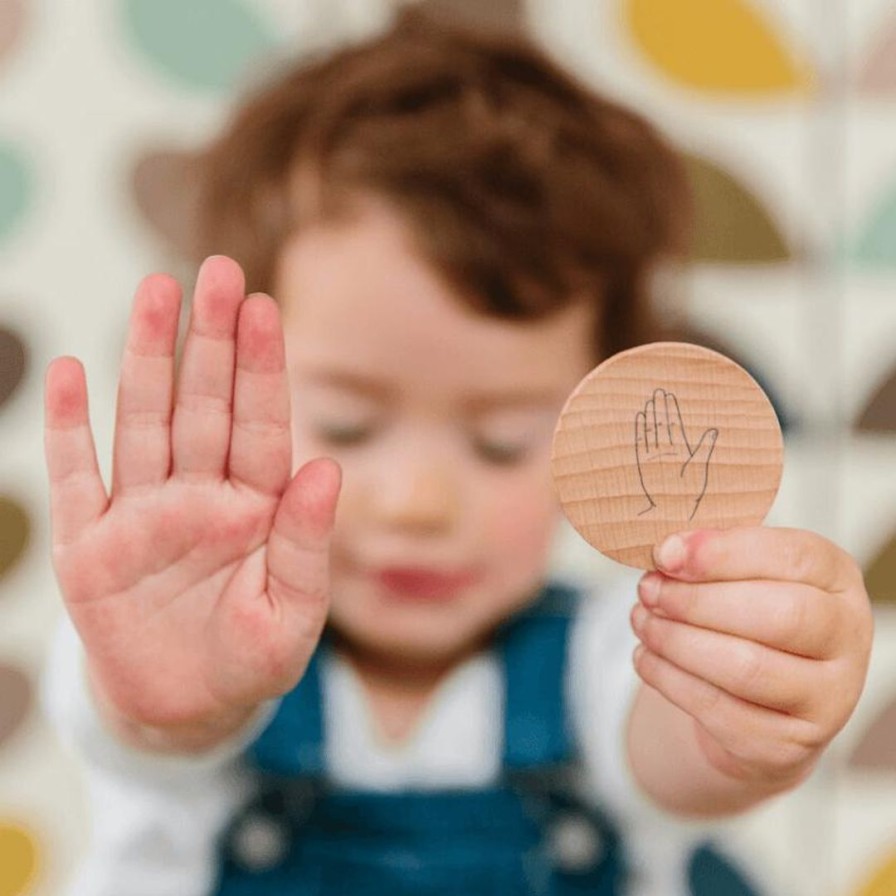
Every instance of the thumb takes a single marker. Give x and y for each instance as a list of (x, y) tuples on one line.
[(703, 451), (298, 552)]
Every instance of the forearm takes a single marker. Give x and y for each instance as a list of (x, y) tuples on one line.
[(673, 769)]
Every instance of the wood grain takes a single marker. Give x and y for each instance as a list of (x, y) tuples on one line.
[(663, 438)]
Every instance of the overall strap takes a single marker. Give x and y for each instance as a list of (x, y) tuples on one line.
[(533, 649), (292, 743)]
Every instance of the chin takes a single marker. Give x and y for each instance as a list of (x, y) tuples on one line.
[(409, 634)]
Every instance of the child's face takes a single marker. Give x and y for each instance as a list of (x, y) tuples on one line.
[(442, 422)]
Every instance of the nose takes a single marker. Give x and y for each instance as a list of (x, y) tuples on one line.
[(418, 495)]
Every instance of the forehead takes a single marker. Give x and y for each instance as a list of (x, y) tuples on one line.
[(358, 298)]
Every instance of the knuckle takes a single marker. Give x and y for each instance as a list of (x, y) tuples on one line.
[(748, 668), (800, 558), (793, 619), (709, 702)]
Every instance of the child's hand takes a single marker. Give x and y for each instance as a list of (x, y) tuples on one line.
[(763, 637), (200, 589)]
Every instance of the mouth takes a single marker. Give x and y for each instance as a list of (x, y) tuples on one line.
[(416, 583)]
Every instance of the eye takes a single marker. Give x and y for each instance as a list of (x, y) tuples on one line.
[(500, 453), (344, 434)]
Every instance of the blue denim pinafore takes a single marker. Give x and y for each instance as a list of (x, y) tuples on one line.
[(527, 835)]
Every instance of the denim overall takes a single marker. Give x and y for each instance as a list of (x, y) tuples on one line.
[(526, 835)]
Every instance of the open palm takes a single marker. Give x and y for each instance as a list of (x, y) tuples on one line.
[(200, 586), (673, 474)]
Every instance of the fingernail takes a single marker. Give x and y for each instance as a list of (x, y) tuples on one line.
[(649, 589), (639, 617), (671, 554)]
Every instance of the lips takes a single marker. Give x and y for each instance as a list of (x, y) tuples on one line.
[(424, 584)]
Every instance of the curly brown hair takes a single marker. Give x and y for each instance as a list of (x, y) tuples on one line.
[(522, 187)]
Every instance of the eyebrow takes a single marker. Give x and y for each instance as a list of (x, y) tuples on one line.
[(474, 403)]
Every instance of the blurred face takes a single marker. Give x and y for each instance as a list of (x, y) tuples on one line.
[(441, 420)]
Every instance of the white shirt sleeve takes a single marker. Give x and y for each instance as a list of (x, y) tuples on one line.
[(155, 818), (602, 686)]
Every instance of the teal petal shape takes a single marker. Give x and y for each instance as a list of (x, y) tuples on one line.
[(876, 245), (205, 44), (16, 187)]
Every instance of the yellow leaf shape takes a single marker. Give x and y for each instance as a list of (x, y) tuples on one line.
[(715, 45), (880, 575), (730, 224), (882, 881), (18, 860)]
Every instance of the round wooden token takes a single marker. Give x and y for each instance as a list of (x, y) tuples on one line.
[(664, 438)]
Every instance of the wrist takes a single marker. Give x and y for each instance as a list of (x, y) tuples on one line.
[(181, 738)]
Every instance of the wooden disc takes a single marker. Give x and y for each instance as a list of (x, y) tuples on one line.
[(663, 438)]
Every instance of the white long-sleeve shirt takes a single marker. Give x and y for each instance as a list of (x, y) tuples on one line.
[(156, 819)]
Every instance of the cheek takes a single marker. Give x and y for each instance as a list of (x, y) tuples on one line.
[(520, 522)]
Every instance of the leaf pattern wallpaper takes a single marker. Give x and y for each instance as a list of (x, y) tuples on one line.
[(104, 105)]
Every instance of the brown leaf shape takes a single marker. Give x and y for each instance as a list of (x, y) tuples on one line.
[(14, 531), (508, 15), (13, 361), (879, 415), (878, 73), (880, 574), (877, 749), (731, 224), (12, 25), (16, 696), (166, 193)]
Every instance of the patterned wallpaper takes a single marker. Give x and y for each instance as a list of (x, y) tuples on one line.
[(787, 113)]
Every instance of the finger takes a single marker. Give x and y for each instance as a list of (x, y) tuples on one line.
[(742, 668), (795, 617), (201, 425), (758, 552), (676, 424), (77, 494), (641, 445), (650, 411), (298, 549), (261, 442), (141, 453), (754, 734), (662, 418), (703, 452)]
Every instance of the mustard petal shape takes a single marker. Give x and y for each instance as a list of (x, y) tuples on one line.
[(716, 45), (18, 859)]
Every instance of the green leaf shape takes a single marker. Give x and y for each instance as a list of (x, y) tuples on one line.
[(879, 415), (204, 44), (876, 245), (880, 574), (731, 225), (14, 533), (16, 189)]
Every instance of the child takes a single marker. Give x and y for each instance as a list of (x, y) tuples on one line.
[(357, 678)]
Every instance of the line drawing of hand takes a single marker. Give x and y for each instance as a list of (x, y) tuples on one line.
[(673, 474)]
